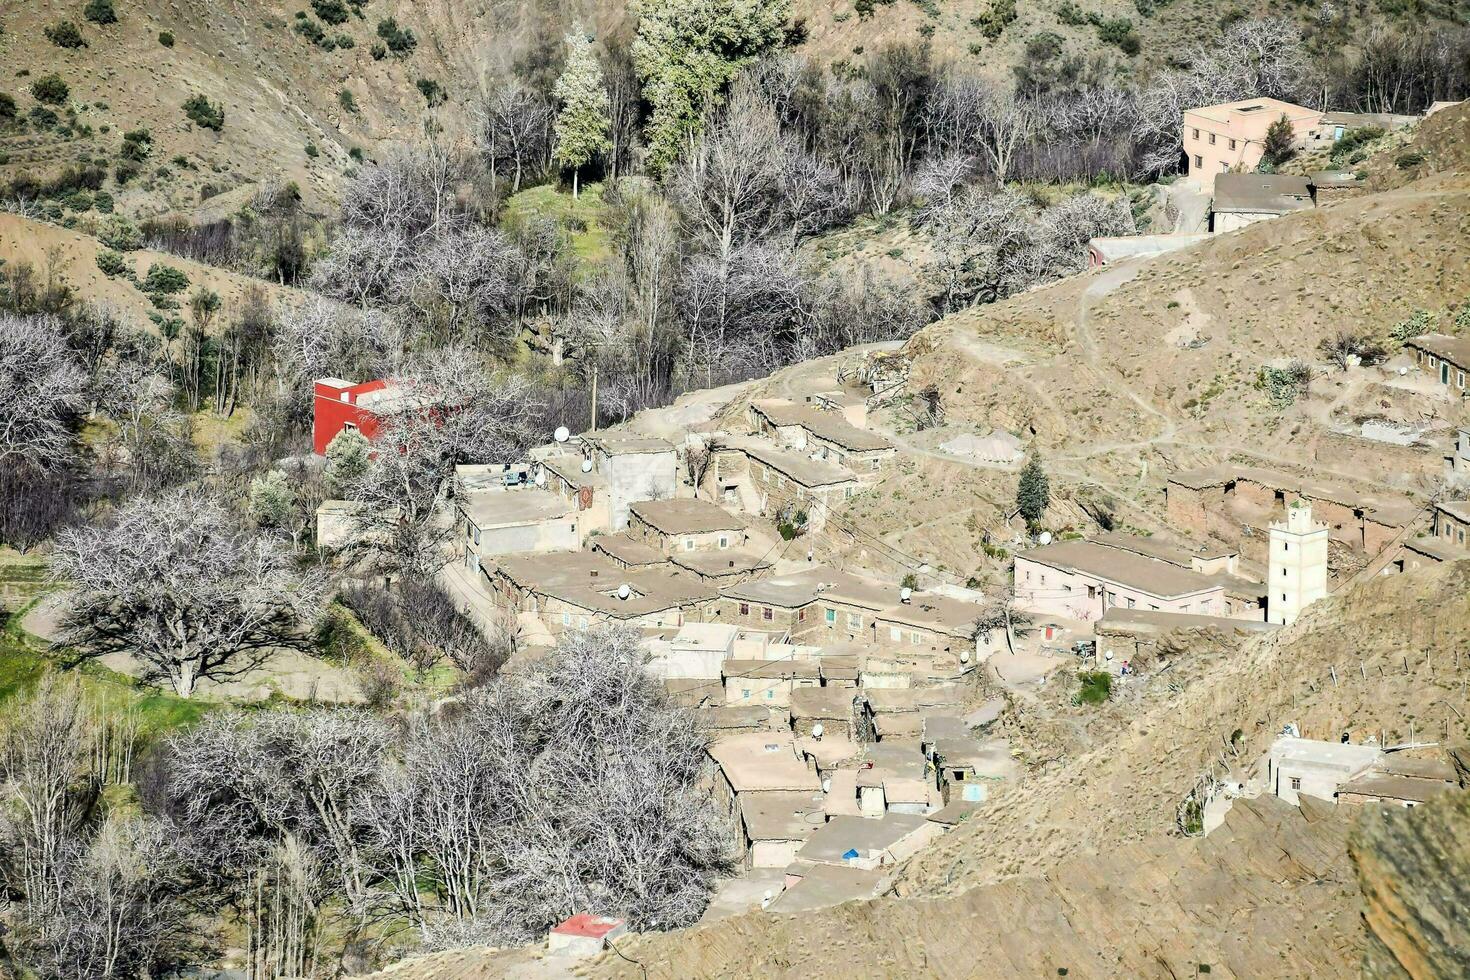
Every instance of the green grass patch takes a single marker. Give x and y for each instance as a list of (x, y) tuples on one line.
[(580, 218)]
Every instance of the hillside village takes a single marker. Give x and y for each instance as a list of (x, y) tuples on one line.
[(994, 505)]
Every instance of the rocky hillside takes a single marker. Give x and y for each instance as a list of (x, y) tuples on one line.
[(1414, 871)]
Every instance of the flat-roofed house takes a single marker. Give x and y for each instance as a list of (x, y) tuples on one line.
[(1082, 580), (587, 490), (635, 468), (698, 650), (776, 825), (830, 707), (865, 843), (582, 589), (785, 603), (773, 480), (936, 624), (1442, 357), (628, 551), (510, 522), (1244, 598), (1244, 199), (768, 682), (758, 763), (1231, 136), (1304, 766), (685, 526)]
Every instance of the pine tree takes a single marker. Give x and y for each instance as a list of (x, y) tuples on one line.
[(347, 460), (272, 500), (1280, 143), (1033, 492), (583, 123)]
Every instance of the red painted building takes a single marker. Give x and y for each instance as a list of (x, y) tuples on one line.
[(340, 405)]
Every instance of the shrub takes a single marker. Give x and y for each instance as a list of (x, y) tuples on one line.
[(137, 145), (43, 117), (1419, 322), (103, 202), (311, 30), (345, 42), (8, 108), (204, 113), (379, 51), (356, 154), (124, 172), (164, 280), (1410, 160), (78, 201), (1119, 31), (100, 12), (431, 91), (1284, 385), (65, 34), (347, 100), (1097, 686), (993, 22), (1068, 14), (312, 151), (399, 40), (120, 235), (332, 11), (1353, 140), (166, 38), (50, 90), (111, 263)]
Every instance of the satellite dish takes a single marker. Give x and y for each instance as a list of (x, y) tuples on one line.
[(624, 591), (540, 478), (563, 433), (826, 786), (817, 730), (964, 656), (1108, 655), (925, 569), (1403, 371), (905, 593), (586, 466), (1045, 537)]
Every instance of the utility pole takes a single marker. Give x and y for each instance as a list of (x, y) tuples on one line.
[(593, 427)]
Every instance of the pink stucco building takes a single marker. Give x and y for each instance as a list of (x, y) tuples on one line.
[(1232, 135)]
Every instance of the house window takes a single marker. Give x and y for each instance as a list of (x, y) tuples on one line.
[(745, 693), (1296, 782), (1461, 375), (1212, 139), (770, 695), (874, 464), (801, 615), (1130, 603), (832, 616), (854, 621), (916, 638), (1199, 161), (724, 541), (688, 544), (469, 529), (1283, 573), (1461, 535), (1196, 135), (566, 619), (1232, 144), (745, 609), (582, 622), (1043, 578), (1092, 592), (895, 634), (767, 614), (847, 493)]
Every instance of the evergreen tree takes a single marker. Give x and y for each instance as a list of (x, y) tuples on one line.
[(1280, 143), (687, 51), (348, 456), (583, 123), (1033, 492), (272, 501)]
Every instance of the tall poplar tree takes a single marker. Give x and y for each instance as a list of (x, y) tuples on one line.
[(583, 122)]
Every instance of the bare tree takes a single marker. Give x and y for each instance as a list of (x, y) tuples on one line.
[(572, 784), (174, 582), (449, 409), (460, 282), (42, 390), (515, 131)]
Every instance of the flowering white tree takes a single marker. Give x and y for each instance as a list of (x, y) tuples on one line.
[(174, 582), (42, 388)]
